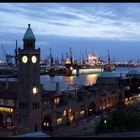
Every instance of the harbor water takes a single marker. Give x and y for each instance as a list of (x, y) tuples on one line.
[(70, 82), (66, 82)]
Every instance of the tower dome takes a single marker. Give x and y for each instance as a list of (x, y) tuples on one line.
[(29, 35)]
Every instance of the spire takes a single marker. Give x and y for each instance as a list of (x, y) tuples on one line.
[(29, 35)]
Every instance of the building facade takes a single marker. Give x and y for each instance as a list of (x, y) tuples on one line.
[(26, 106)]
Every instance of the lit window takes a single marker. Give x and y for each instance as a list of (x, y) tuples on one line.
[(70, 110), (57, 100), (127, 88), (34, 90), (59, 120), (90, 110), (44, 123), (65, 113), (71, 118), (47, 124), (82, 112)]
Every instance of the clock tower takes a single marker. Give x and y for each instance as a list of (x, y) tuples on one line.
[(29, 96)]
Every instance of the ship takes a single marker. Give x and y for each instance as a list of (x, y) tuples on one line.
[(72, 68)]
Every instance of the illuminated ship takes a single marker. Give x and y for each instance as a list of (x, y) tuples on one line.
[(72, 68)]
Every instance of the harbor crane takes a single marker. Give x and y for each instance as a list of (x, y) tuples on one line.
[(8, 57)]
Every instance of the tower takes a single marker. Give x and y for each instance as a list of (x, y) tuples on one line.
[(29, 96)]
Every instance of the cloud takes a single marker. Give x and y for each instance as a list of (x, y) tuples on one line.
[(100, 21)]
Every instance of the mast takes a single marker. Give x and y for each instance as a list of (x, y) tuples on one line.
[(71, 56), (62, 58), (108, 57), (83, 59), (86, 55), (16, 53), (51, 58), (67, 56)]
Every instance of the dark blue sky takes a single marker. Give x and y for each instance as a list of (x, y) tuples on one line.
[(81, 26)]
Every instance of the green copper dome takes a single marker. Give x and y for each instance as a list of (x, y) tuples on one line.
[(133, 72), (29, 35), (107, 75)]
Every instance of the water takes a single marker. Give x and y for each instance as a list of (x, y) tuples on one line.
[(66, 82), (69, 82)]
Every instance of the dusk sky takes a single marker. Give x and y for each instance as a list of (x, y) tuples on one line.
[(82, 26)]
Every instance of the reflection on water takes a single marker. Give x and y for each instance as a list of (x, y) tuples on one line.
[(65, 82), (91, 79), (70, 80)]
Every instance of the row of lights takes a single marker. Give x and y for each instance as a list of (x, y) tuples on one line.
[(5, 109), (59, 120)]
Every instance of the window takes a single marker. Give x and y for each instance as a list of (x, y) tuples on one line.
[(10, 102), (1, 101), (57, 100), (59, 120)]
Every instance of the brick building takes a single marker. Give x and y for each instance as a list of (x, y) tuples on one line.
[(26, 106)]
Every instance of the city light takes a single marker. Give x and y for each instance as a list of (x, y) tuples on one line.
[(59, 120), (34, 90), (6, 109)]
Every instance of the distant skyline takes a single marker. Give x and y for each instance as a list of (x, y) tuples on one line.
[(93, 27)]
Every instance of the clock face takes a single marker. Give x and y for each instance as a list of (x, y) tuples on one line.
[(24, 59), (34, 59), (35, 90)]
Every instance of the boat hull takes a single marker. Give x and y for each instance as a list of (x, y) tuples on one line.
[(86, 71)]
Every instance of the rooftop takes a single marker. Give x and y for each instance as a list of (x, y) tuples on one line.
[(107, 75), (133, 72), (29, 35)]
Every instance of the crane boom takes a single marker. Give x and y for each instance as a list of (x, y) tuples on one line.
[(4, 52)]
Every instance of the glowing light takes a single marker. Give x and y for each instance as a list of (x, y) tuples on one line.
[(71, 118), (126, 99), (59, 120), (34, 90), (91, 78), (71, 68), (67, 61), (105, 121), (44, 123), (6, 109), (82, 112), (47, 124), (24, 59), (128, 88), (57, 100), (70, 110), (65, 113), (90, 110)]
